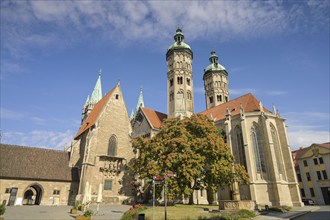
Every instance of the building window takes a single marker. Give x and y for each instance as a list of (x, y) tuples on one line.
[(315, 161), (56, 192), (112, 148), (321, 160), (107, 184), (305, 163), (188, 81), (117, 96), (226, 98), (302, 192), (180, 80), (240, 147), (299, 177), (319, 177), (277, 149), (211, 99), (219, 98), (312, 192), (325, 176), (7, 190), (171, 82), (258, 149), (308, 176), (189, 96)]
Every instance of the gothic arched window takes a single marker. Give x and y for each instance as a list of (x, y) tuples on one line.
[(277, 149), (241, 159), (112, 148), (258, 149)]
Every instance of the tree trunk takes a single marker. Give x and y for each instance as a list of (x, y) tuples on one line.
[(191, 198)]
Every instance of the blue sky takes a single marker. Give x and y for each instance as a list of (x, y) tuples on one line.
[(51, 53)]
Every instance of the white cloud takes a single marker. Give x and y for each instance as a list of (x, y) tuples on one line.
[(49, 22), (10, 114), (304, 138), (48, 139), (242, 91), (306, 128)]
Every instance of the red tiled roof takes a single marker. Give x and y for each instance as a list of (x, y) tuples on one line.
[(324, 145), (94, 114), (155, 118), (249, 102)]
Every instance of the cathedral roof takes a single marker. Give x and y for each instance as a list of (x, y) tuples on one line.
[(94, 114), (20, 162), (249, 102), (155, 118)]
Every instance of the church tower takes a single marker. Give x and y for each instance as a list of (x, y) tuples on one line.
[(93, 99), (179, 78), (215, 83)]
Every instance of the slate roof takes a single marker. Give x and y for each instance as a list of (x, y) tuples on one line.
[(94, 114), (155, 118), (249, 102), (21, 162)]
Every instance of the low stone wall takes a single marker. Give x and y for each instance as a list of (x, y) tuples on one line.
[(236, 205)]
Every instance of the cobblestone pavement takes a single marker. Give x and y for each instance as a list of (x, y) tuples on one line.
[(111, 212)]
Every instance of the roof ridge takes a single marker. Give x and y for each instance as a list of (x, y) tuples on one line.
[(33, 147), (95, 113)]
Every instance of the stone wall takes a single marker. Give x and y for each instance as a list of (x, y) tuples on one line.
[(67, 191)]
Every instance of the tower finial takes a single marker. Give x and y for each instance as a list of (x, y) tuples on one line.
[(100, 72)]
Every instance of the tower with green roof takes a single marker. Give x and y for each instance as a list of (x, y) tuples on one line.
[(215, 83), (93, 99), (179, 78)]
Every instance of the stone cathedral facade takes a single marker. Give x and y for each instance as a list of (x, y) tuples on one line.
[(95, 166)]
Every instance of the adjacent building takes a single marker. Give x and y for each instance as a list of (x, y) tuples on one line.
[(312, 165), (36, 176)]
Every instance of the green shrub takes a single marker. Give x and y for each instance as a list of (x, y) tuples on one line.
[(88, 213), (2, 209), (280, 208)]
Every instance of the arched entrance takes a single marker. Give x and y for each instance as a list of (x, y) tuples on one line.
[(32, 195)]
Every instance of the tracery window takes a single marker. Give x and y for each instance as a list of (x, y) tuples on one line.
[(240, 146), (112, 148), (258, 149)]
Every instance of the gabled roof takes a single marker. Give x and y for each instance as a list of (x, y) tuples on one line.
[(249, 102), (20, 162), (155, 118), (297, 154), (94, 114)]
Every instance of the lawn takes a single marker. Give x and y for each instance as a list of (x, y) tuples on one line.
[(183, 212)]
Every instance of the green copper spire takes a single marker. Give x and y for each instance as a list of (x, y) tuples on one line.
[(97, 92), (179, 43), (140, 101), (138, 105)]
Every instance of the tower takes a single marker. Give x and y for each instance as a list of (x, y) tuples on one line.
[(93, 99), (179, 78), (215, 83)]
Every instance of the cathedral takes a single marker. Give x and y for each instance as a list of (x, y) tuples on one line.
[(101, 150)]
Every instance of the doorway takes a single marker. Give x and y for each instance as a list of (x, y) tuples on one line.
[(32, 195)]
